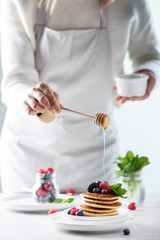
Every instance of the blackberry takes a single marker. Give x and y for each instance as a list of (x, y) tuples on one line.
[(91, 186), (96, 190), (126, 231), (99, 182)]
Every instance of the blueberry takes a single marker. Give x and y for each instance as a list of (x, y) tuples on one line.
[(105, 182), (126, 231), (69, 212), (103, 191), (96, 190), (79, 213)]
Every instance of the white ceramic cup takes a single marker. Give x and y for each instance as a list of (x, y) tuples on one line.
[(131, 85)]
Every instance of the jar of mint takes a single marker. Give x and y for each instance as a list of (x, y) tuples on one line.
[(135, 188), (130, 170)]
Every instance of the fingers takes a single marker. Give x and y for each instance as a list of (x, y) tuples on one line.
[(51, 96), (151, 83), (114, 88), (42, 98), (34, 104), (28, 109)]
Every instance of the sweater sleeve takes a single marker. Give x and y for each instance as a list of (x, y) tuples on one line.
[(143, 47), (17, 52)]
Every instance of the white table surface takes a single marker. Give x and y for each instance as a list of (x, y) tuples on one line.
[(37, 226)]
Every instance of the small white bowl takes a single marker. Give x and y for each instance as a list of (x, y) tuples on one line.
[(131, 85)]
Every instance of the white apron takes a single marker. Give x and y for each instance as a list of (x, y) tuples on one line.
[(76, 64)]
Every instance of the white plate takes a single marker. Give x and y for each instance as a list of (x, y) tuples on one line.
[(123, 214), (88, 226), (25, 202)]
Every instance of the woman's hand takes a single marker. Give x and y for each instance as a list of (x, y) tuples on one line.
[(151, 83), (42, 98)]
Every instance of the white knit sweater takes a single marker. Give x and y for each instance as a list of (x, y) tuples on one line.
[(128, 21)]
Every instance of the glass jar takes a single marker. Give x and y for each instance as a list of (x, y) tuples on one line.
[(46, 188), (135, 187)]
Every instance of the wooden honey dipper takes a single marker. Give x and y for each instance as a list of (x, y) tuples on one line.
[(100, 119)]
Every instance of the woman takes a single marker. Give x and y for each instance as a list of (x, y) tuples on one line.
[(67, 49)]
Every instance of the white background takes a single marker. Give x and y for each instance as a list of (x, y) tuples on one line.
[(139, 124)]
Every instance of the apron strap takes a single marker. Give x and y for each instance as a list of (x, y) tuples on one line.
[(43, 16)]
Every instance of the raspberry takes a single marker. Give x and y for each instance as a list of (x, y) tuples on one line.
[(70, 192), (73, 208), (42, 192), (73, 212), (105, 186), (47, 187), (41, 171), (132, 206), (52, 211), (50, 170)]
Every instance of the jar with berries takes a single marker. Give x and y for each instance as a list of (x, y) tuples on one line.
[(46, 188)]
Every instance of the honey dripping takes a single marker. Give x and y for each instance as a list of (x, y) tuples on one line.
[(103, 121)]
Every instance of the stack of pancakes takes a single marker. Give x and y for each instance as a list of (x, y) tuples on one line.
[(96, 204)]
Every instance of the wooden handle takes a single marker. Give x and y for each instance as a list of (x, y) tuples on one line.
[(83, 114)]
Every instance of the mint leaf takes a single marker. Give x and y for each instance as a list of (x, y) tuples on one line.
[(120, 165), (69, 200), (130, 164), (128, 168), (118, 190), (130, 155), (58, 200)]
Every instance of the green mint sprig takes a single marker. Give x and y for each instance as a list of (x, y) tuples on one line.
[(118, 190), (130, 164)]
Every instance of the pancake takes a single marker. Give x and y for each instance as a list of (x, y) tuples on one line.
[(100, 214), (106, 206), (87, 208), (99, 201), (99, 196)]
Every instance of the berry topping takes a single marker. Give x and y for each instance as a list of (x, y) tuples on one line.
[(96, 190), (99, 182), (73, 211), (73, 208), (104, 191), (42, 192), (132, 206), (92, 186), (69, 212), (70, 192), (41, 171), (47, 187), (126, 231), (52, 211), (79, 213), (50, 170), (105, 182), (105, 186)]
